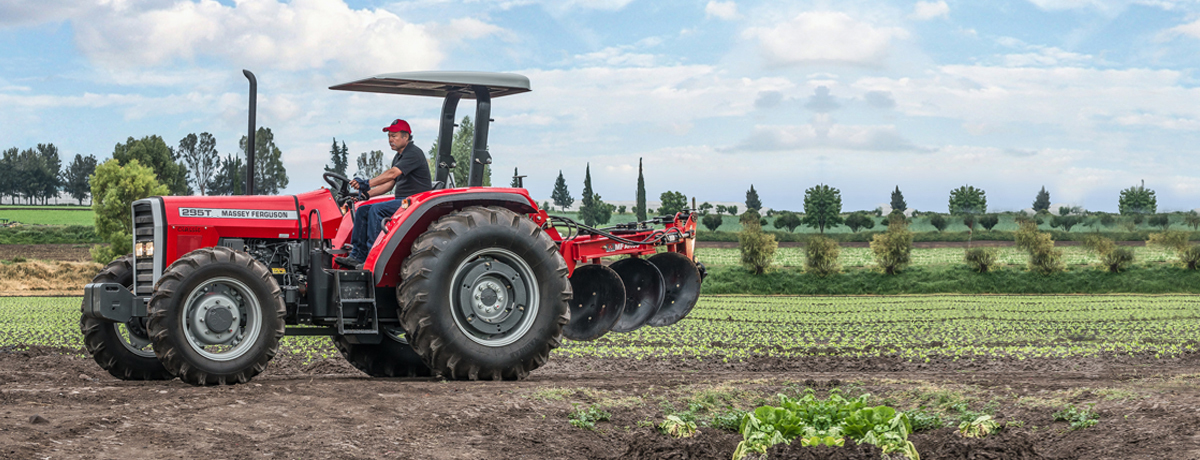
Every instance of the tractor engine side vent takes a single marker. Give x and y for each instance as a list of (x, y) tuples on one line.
[(143, 234)]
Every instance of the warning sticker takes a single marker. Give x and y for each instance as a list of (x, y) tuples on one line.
[(211, 213)]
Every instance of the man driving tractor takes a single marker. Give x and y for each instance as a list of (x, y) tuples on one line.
[(408, 175)]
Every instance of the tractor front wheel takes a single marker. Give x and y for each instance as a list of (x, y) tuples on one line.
[(484, 295), (216, 317), (122, 349)]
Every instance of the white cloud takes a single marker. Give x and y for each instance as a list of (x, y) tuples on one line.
[(614, 56), (825, 37), (721, 10), (1191, 29), (304, 34), (1046, 56), (824, 134), (925, 11)]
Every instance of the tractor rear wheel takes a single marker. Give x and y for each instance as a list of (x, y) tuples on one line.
[(393, 357), (122, 349), (216, 317), (484, 295)]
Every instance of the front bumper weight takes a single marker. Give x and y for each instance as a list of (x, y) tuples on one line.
[(111, 302)]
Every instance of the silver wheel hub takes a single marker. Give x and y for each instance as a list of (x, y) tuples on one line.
[(489, 300), (222, 319), (494, 297), (215, 318)]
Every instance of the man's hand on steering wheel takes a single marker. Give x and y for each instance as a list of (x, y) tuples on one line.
[(340, 185)]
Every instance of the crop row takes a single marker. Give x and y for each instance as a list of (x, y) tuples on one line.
[(863, 257), (734, 328)]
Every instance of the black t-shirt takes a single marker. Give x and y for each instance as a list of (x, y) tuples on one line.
[(414, 172)]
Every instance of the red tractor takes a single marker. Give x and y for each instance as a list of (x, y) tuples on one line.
[(465, 282)]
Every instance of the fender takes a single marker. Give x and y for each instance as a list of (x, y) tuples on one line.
[(395, 244)]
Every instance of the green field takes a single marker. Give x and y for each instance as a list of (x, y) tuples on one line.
[(914, 328), (49, 216)]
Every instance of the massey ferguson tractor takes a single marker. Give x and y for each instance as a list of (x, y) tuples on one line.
[(464, 282)]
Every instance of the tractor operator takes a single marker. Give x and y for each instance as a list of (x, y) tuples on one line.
[(408, 175)]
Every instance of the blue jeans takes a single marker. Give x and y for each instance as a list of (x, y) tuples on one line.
[(368, 223)]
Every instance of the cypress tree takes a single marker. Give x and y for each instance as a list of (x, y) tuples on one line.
[(1042, 203), (561, 196), (898, 204), (640, 209), (752, 201), (587, 202)]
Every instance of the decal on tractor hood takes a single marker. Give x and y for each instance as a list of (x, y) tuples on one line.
[(238, 213)]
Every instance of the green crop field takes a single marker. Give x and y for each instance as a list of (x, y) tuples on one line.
[(915, 328), (49, 216), (863, 257)]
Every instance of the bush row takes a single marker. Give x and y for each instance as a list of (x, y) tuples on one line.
[(980, 235), (49, 234)]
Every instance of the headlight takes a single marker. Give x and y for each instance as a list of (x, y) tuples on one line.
[(144, 249)]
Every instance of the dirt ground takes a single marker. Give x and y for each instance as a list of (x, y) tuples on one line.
[(61, 252), (59, 404)]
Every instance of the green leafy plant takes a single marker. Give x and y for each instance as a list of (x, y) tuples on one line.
[(1044, 258), (587, 418), (923, 420), (830, 422), (1077, 418), (893, 248), (978, 428), (757, 247), (676, 427), (822, 207)]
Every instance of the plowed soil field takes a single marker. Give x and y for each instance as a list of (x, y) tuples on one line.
[(56, 403)]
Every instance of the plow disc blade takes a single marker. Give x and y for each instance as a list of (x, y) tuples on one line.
[(643, 292), (682, 286), (598, 302)]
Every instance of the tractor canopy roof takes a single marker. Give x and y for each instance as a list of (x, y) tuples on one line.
[(440, 83)]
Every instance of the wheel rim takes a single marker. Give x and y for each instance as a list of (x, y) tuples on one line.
[(494, 298), (134, 338), (221, 319)]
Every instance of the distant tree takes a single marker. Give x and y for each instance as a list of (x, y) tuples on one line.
[(200, 158), (154, 153), (230, 178), (1160, 220), (788, 220), (732, 210), (752, 201), (639, 208), (561, 196), (339, 158), (370, 164), (516, 179), (1193, 219), (1065, 221), (898, 203), (672, 202), (859, 220), (76, 179), (720, 209), (1137, 200), (8, 181), (967, 200), (115, 187), (462, 149), (712, 222), (1042, 202), (269, 174), (938, 222), (989, 221), (592, 209), (705, 207), (822, 207), (621, 210), (1108, 220)]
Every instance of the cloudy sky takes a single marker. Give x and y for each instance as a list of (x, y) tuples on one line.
[(1084, 97)]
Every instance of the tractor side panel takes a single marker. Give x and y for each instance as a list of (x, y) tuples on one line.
[(197, 222), (395, 243), (321, 201)]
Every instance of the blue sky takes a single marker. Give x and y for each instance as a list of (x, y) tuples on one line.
[(1084, 97)]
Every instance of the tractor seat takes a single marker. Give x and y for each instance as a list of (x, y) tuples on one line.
[(438, 185)]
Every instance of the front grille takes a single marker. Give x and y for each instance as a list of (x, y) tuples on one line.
[(143, 232)]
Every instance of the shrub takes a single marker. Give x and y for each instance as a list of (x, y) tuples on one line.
[(757, 247), (893, 248), (989, 221), (1117, 259), (822, 256), (114, 189), (712, 222), (788, 220), (1043, 257), (859, 220), (981, 259), (1175, 240), (1190, 257), (1160, 220), (938, 222)]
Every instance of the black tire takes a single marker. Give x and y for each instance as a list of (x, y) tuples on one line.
[(438, 329), (113, 351), (393, 357), (254, 311)]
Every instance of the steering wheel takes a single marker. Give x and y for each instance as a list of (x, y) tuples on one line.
[(340, 185)]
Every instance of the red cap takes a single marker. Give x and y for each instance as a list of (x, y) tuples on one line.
[(398, 126)]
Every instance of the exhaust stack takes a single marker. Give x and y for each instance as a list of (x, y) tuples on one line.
[(250, 146)]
